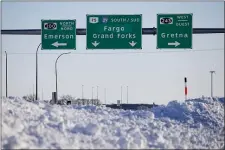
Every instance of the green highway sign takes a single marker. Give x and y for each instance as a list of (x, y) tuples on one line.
[(174, 31), (114, 32), (58, 34)]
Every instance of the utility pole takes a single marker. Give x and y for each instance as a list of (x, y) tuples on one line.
[(212, 82)]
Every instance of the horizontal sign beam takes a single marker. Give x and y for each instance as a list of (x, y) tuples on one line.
[(82, 31)]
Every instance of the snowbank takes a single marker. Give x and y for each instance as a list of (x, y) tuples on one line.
[(208, 112), (196, 123)]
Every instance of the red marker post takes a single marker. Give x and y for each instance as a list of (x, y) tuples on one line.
[(185, 88)]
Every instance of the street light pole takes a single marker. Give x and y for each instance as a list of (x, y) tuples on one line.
[(82, 92), (6, 72), (33, 93), (92, 100), (56, 74), (42, 94), (92, 93), (212, 82), (127, 94), (105, 95), (97, 92), (121, 96), (37, 71)]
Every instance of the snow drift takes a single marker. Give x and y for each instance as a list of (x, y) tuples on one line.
[(196, 123)]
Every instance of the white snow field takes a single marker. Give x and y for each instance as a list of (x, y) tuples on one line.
[(194, 124)]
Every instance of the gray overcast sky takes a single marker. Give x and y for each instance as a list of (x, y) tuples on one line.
[(151, 77)]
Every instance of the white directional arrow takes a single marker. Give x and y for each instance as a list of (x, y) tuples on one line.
[(175, 43), (132, 43), (57, 44), (95, 43)]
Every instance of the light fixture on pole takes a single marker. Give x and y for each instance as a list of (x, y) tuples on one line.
[(56, 74)]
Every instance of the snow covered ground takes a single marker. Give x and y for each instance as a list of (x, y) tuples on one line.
[(196, 123)]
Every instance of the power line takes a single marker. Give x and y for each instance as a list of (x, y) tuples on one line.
[(123, 52)]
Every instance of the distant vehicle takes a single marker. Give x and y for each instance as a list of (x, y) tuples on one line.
[(68, 102), (64, 102)]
